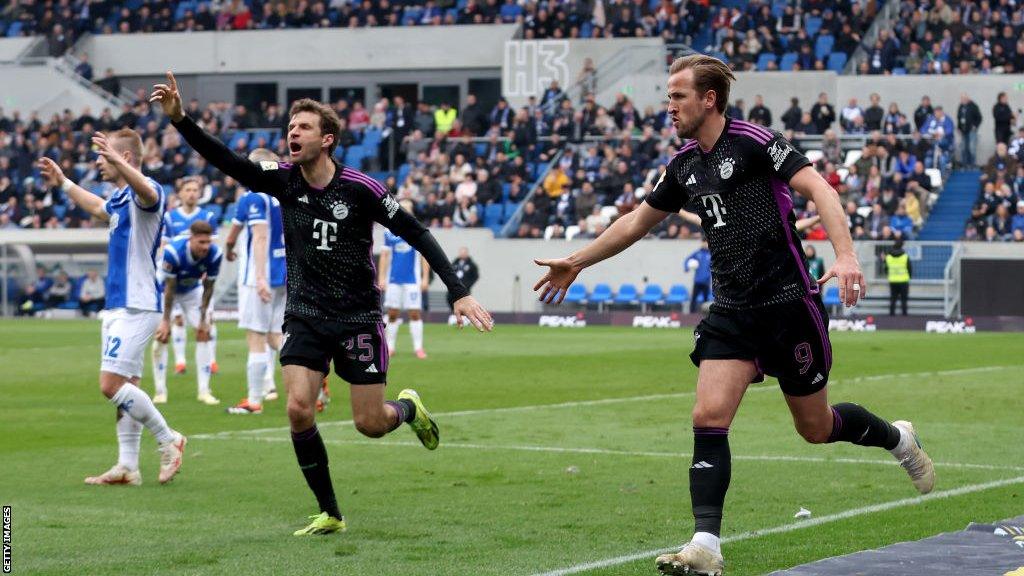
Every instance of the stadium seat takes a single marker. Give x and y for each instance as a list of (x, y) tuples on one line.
[(577, 294), (677, 294), (602, 295), (217, 210), (764, 60), (823, 46), (814, 155), (652, 295), (831, 299), (836, 61), (851, 157), (627, 295), (14, 29), (899, 71), (811, 25), (493, 215), (509, 12), (787, 61)]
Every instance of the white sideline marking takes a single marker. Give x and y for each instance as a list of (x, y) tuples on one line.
[(534, 407), (651, 554), (642, 454)]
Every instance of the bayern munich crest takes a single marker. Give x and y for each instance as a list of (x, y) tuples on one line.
[(339, 210), (726, 167)]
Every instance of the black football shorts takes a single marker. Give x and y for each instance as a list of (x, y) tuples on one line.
[(788, 341), (359, 351)]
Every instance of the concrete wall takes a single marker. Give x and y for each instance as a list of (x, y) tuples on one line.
[(778, 87), (40, 88), (11, 48), (530, 65), (335, 49)]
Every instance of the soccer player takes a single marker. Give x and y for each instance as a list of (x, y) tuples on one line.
[(403, 274), (188, 263), (261, 287), (133, 302), (176, 226), (767, 317), (333, 307)]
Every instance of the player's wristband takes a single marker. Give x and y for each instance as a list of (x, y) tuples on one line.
[(66, 184)]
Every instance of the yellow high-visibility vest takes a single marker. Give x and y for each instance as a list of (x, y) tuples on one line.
[(897, 266), (444, 120)]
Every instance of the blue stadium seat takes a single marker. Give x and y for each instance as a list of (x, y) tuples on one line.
[(505, 189), (493, 215), (831, 298), (509, 12), (403, 172), (787, 61), (677, 294), (899, 71), (823, 46), (627, 294), (14, 29), (837, 61), (764, 60), (586, 29), (480, 148), (602, 294), (812, 24), (371, 139), (577, 294), (652, 294)]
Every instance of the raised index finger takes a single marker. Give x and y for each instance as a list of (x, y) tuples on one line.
[(172, 81)]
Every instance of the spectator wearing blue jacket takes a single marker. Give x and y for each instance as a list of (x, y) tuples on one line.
[(940, 128), (1017, 223), (901, 224), (701, 261)]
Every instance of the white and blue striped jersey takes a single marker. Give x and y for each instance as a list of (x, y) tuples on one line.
[(189, 272), (177, 222), (131, 254), (259, 208), (405, 261)]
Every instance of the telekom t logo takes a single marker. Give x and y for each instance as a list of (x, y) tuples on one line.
[(715, 207), (325, 232)]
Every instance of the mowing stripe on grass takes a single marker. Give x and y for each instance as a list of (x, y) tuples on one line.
[(651, 554), (534, 407), (640, 454)]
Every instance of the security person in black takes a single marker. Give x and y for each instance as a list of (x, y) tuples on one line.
[(333, 310), (466, 270)]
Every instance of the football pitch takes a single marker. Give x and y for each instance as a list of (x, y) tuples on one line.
[(562, 451)]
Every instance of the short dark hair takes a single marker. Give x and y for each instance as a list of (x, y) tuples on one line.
[(201, 227), (329, 121)]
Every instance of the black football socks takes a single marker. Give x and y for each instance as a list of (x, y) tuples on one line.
[(709, 477), (312, 456), (853, 423)]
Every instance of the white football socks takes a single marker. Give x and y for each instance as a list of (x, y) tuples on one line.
[(213, 342), (203, 367), (391, 332), (139, 406), (268, 378), (708, 540), (178, 335), (159, 368), (256, 372), (416, 328), (129, 438)]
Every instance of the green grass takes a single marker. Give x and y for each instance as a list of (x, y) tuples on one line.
[(510, 492)]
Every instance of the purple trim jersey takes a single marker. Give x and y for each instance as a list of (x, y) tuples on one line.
[(740, 190)]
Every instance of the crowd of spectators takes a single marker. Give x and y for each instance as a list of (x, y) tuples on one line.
[(938, 37), (998, 213), (458, 167), (64, 22), (56, 289)]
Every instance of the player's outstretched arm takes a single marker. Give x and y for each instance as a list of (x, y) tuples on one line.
[(249, 174), (163, 332), (88, 201), (145, 193), (846, 268), (622, 234)]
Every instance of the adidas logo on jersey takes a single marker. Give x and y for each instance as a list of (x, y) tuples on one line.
[(818, 378), (692, 180), (701, 465), (304, 199), (372, 370)]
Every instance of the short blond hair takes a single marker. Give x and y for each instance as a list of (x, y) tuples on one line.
[(263, 155), (128, 140), (709, 73)]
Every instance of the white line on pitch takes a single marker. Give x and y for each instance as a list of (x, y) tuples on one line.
[(640, 454), (575, 404), (650, 554)]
